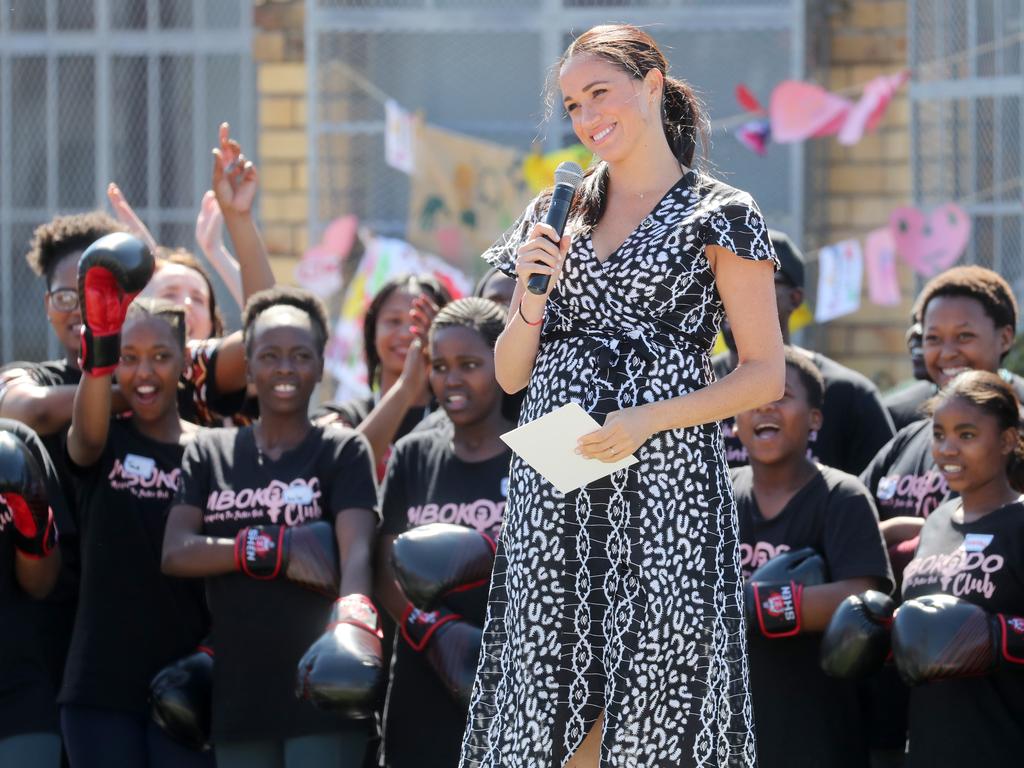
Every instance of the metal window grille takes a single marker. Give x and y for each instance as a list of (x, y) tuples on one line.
[(967, 110), (93, 91), (479, 67)]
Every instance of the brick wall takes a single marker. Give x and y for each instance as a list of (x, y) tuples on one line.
[(853, 189), (278, 50)]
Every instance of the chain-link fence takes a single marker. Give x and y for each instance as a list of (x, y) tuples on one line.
[(479, 67), (93, 91), (967, 109)]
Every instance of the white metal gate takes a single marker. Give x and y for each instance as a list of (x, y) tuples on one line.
[(479, 66), (93, 91)]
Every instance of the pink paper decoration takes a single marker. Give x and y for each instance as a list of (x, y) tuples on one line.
[(868, 111), (319, 271), (933, 242), (755, 135), (340, 235), (802, 111), (746, 99), (880, 264)]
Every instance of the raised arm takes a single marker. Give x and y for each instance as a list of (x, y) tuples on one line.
[(210, 237), (127, 216), (516, 349), (46, 409), (235, 184)]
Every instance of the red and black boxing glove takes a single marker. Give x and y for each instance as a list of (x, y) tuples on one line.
[(775, 591), (936, 637), (433, 560), (450, 645), (306, 554), (856, 642), (24, 492), (111, 273), (344, 669)]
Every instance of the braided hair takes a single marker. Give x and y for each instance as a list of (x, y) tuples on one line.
[(481, 315)]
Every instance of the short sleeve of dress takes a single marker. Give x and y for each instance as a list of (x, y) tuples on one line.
[(738, 226), (503, 254)]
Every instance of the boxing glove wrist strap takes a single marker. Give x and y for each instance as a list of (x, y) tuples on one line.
[(1011, 638), (99, 354), (777, 608), (418, 626), (259, 551)]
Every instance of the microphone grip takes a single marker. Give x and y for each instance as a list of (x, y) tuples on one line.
[(558, 214)]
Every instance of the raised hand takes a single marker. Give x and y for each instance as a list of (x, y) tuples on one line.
[(210, 226), (234, 177), (127, 216)]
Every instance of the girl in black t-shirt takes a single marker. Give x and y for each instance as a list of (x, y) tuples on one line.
[(394, 341), (968, 316), (245, 490), (460, 476), (969, 706), (131, 620)]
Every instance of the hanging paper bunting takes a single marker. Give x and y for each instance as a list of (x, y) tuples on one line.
[(340, 235), (880, 263), (755, 136), (868, 111), (746, 99), (840, 272), (932, 242), (399, 137), (802, 111)]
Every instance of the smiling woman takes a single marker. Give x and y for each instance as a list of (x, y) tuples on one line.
[(575, 663)]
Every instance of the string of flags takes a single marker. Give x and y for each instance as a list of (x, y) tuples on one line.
[(798, 111)]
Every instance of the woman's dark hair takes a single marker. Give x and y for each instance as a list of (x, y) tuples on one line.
[(283, 295), (184, 258), (983, 285), (809, 375), (65, 235), (682, 114), (427, 284), (171, 313), (988, 392), (484, 316)]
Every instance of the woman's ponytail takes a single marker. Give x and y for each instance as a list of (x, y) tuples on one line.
[(683, 119)]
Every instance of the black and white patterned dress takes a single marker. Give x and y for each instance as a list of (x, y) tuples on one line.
[(624, 596)]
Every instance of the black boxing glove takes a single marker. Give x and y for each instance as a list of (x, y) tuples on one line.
[(306, 554), (111, 273), (432, 560), (940, 636), (24, 492), (180, 696), (344, 669), (775, 590), (856, 642), (450, 645)]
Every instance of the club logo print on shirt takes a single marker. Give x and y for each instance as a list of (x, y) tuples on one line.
[(753, 556), (277, 503), (959, 573), (140, 476), (911, 494), (483, 515)]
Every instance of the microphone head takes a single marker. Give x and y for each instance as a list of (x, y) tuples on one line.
[(569, 173)]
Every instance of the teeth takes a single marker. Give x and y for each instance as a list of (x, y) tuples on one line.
[(766, 428), (955, 371), (456, 398), (949, 468), (146, 389), (284, 387), (602, 134)]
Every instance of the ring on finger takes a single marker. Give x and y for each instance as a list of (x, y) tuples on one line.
[(231, 167)]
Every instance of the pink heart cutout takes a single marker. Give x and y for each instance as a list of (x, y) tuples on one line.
[(802, 111), (340, 235), (930, 243)]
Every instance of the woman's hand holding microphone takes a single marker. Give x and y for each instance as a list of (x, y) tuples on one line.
[(542, 254)]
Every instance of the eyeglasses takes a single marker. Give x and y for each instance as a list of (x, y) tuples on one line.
[(64, 299)]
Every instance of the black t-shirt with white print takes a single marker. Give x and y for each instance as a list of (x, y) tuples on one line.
[(132, 620), (978, 720), (262, 628), (855, 424), (427, 483), (802, 716), (29, 679), (903, 478)]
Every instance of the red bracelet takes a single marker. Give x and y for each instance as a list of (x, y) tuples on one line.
[(538, 322)]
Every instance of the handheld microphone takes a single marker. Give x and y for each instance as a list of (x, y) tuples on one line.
[(568, 177)]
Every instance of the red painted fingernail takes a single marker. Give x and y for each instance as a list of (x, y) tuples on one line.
[(413, 329)]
